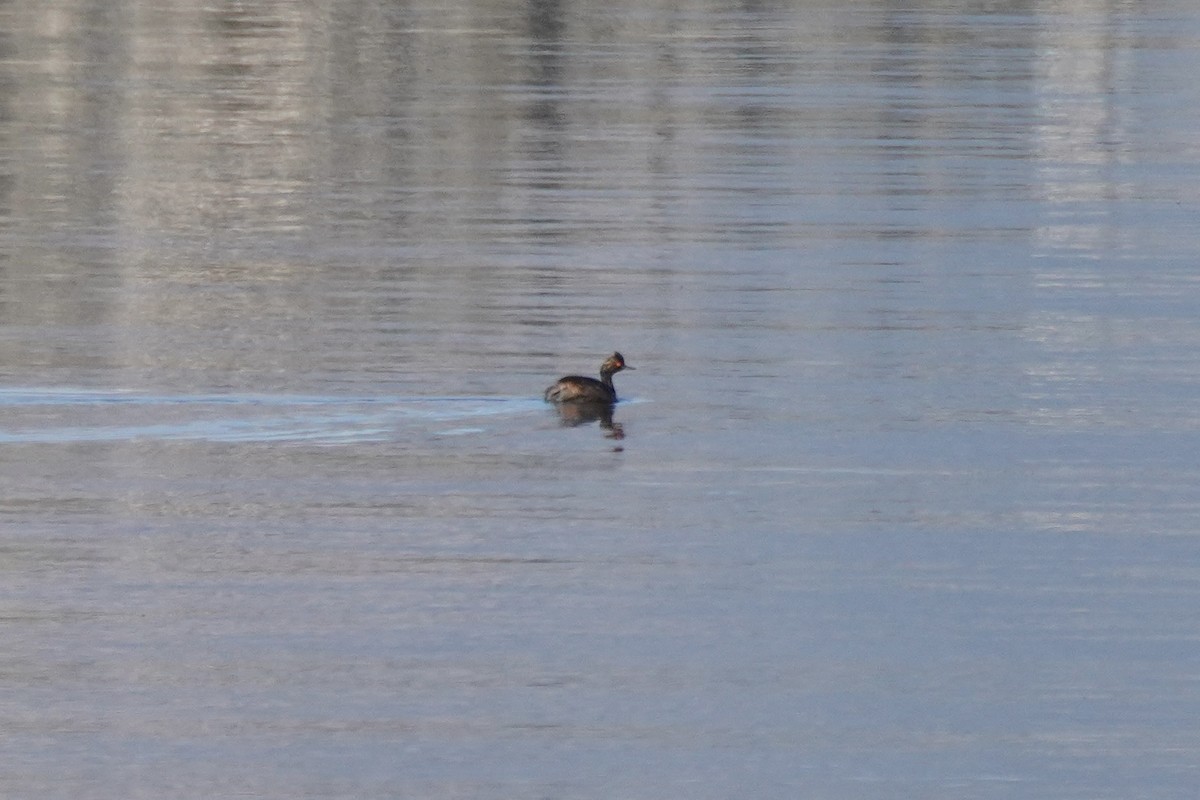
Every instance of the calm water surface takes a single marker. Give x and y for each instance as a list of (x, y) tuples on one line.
[(901, 501)]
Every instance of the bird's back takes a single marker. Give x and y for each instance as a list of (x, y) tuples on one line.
[(578, 387)]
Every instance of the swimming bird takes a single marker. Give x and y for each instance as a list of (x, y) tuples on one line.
[(577, 388)]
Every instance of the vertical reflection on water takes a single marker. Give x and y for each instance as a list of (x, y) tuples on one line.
[(1111, 239), (1082, 62), (8, 163), (545, 149), (225, 143)]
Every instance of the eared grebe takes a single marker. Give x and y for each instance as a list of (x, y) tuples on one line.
[(576, 388)]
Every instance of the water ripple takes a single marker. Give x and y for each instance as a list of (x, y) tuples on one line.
[(36, 415)]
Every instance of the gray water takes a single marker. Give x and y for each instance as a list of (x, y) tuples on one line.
[(901, 500)]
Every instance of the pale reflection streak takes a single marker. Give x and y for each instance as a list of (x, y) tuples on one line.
[(1082, 60)]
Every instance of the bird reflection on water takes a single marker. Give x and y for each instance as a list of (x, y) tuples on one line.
[(583, 412)]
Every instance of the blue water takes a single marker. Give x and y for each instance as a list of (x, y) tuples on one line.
[(902, 501)]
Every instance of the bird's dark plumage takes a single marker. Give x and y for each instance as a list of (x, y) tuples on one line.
[(578, 388)]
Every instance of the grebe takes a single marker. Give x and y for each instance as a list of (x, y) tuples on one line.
[(576, 388)]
